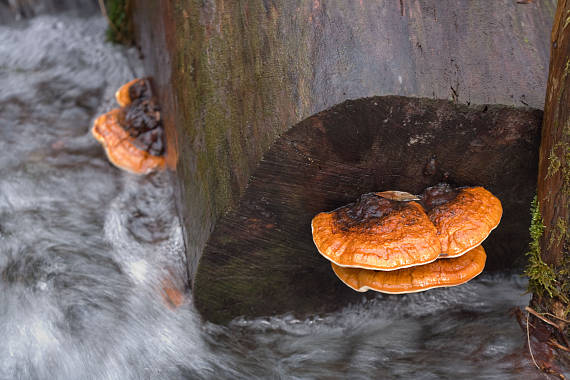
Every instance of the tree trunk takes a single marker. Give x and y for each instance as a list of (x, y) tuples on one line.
[(553, 294), (237, 79)]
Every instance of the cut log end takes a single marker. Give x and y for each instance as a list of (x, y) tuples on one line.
[(264, 250)]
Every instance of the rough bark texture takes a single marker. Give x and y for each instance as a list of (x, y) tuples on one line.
[(234, 75), (554, 165)]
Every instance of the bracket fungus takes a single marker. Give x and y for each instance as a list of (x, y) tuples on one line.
[(379, 231), (440, 273), (463, 217), (388, 243), (136, 89), (132, 136), (119, 145)]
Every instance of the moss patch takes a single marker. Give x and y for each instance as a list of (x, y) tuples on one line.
[(120, 29), (540, 275), (543, 280)]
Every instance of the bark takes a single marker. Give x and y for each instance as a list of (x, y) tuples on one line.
[(554, 167), (234, 76)]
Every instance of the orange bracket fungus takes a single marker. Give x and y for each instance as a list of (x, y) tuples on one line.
[(463, 217), (135, 89), (379, 231), (132, 136), (120, 147), (440, 273), (386, 242)]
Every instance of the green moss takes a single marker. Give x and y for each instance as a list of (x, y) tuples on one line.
[(540, 275), (120, 27)]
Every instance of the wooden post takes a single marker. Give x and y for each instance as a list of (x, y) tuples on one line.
[(237, 78)]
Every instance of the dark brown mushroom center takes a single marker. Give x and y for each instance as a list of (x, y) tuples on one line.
[(140, 90), (366, 213), (142, 119)]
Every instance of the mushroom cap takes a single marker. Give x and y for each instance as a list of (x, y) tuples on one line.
[(124, 93), (463, 218), (119, 146), (440, 273), (376, 232)]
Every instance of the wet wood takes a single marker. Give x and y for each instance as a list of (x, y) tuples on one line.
[(234, 76)]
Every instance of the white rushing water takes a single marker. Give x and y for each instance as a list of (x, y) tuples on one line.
[(86, 251)]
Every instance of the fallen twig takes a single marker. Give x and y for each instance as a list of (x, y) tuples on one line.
[(529, 347), (560, 319), (554, 343), (544, 319)]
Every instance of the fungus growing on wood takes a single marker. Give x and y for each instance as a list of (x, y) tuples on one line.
[(119, 145), (440, 273), (377, 242), (141, 119), (135, 89), (377, 232), (133, 136), (463, 217)]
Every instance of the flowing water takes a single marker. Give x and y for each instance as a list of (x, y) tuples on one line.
[(86, 252)]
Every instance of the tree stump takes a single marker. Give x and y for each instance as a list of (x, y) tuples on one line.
[(247, 86)]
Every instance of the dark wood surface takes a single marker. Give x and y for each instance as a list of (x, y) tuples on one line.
[(261, 258), (233, 76)]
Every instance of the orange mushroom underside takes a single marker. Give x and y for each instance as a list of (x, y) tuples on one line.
[(376, 233), (440, 273), (119, 146)]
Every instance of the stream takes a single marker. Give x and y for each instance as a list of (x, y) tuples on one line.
[(87, 250)]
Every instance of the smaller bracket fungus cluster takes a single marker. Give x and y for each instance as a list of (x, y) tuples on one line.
[(395, 242), (133, 136)]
